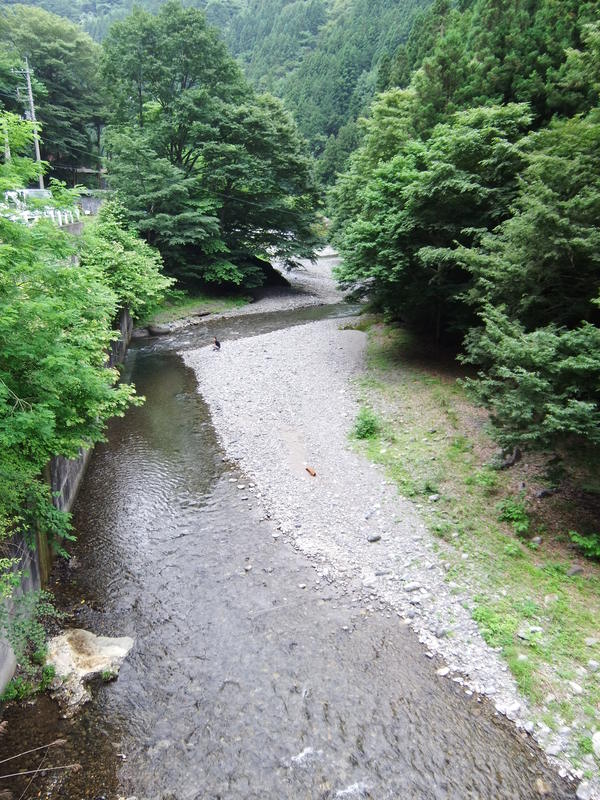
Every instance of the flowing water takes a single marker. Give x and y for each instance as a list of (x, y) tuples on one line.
[(251, 677)]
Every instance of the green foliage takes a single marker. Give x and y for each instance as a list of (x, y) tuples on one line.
[(536, 281), (18, 171), (513, 549), (129, 266), (67, 91), (367, 425), (19, 688), (213, 175), (514, 511), (23, 625), (413, 201), (469, 209), (588, 544), (56, 393), (498, 629)]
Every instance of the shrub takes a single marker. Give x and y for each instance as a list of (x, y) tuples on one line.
[(588, 544), (513, 511), (367, 425)]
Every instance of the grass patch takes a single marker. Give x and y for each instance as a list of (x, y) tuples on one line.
[(178, 304), (432, 440)]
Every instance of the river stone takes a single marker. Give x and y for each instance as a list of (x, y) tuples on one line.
[(413, 586), (373, 537), (584, 791), (79, 656), (159, 330), (575, 570), (596, 744)]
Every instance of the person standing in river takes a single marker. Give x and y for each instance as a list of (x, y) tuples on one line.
[(216, 343)]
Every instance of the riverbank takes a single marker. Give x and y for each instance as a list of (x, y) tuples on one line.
[(291, 401), (311, 284)]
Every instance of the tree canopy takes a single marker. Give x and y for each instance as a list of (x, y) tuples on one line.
[(68, 97), (213, 174), (471, 206)]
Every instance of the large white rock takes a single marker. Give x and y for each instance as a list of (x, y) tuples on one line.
[(78, 657)]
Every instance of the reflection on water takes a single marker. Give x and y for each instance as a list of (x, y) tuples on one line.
[(241, 683)]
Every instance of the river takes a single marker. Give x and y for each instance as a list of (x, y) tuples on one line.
[(252, 676)]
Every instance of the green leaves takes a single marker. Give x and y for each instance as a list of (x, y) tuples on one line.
[(541, 387), (127, 264), (213, 175), (64, 61), (56, 325), (415, 201)]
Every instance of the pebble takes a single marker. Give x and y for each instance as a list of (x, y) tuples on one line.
[(413, 586), (247, 567), (591, 641), (373, 537), (575, 570), (575, 688), (443, 671), (584, 791)]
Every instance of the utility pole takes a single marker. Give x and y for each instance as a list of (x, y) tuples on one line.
[(36, 139), (6, 141)]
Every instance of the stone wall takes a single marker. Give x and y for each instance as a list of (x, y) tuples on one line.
[(64, 476)]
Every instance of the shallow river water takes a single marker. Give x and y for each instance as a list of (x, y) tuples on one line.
[(251, 676)]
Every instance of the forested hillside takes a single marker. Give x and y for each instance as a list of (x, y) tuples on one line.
[(471, 209), (321, 57)]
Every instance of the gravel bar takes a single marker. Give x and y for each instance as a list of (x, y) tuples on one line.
[(284, 401)]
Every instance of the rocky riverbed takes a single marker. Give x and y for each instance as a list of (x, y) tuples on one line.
[(283, 405), (311, 284)]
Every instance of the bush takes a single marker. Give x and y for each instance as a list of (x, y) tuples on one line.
[(513, 511), (367, 425), (588, 544)]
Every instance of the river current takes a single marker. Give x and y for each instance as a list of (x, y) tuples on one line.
[(252, 676)]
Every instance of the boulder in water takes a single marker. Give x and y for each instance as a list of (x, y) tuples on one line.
[(79, 657)]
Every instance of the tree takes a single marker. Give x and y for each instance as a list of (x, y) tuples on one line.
[(56, 323), (537, 281), (68, 97), (417, 200), (215, 176), (128, 265)]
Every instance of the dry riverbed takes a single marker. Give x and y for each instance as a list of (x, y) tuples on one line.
[(288, 400)]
